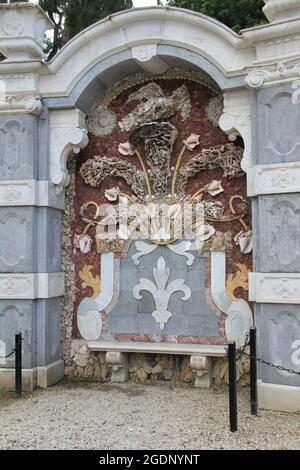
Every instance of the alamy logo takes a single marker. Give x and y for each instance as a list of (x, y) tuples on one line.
[(296, 353), (296, 93)]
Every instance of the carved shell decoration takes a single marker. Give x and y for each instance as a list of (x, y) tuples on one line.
[(101, 121)]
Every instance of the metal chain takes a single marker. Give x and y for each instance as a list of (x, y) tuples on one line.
[(242, 352), (267, 363), (9, 355)]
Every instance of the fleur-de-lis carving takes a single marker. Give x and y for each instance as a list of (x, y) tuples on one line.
[(161, 291)]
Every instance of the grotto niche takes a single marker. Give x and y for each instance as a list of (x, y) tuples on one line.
[(156, 141)]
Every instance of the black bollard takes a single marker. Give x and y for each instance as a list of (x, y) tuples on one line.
[(18, 365), (253, 372), (232, 386)]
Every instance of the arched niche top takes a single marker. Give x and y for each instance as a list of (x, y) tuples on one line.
[(192, 38), (120, 65)]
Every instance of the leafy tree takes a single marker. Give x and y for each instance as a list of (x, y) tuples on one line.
[(237, 14), (71, 17), (56, 11)]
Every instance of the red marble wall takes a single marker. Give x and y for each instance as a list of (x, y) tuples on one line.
[(197, 123)]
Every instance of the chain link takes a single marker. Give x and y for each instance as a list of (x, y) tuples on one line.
[(9, 355), (242, 352), (268, 363)]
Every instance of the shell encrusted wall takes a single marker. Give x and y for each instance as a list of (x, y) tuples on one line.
[(158, 137)]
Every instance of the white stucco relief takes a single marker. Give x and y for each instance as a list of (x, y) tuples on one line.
[(161, 291), (239, 315), (182, 249), (68, 136), (236, 121), (89, 319)]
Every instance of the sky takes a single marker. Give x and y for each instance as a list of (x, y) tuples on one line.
[(144, 3)]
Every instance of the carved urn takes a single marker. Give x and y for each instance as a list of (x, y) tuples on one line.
[(281, 10), (22, 30)]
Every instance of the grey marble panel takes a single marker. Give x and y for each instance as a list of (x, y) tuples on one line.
[(48, 240), (43, 146), (278, 126), (278, 328), (18, 147), (189, 318), (17, 317), (17, 239), (48, 332), (278, 238)]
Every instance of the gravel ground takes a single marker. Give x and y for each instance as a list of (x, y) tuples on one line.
[(96, 416)]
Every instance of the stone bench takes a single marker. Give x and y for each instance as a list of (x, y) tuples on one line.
[(200, 362)]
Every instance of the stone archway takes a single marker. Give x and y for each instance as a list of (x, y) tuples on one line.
[(46, 104)]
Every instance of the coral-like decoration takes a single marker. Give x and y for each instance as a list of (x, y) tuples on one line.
[(154, 106), (101, 121), (150, 132), (214, 110), (227, 157), (90, 281), (159, 139), (96, 169)]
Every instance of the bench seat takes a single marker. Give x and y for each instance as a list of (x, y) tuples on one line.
[(200, 361), (159, 348)]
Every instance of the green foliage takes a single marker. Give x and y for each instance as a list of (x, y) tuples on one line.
[(82, 13), (71, 17), (237, 14)]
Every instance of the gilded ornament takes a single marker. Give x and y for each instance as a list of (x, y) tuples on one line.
[(90, 281), (236, 281)]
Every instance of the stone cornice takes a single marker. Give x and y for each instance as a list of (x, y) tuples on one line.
[(274, 288), (32, 286), (30, 193), (16, 104), (282, 73), (273, 179)]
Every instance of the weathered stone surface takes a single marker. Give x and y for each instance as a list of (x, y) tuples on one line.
[(69, 371), (187, 374)]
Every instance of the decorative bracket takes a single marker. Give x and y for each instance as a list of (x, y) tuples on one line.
[(68, 136), (202, 365), (118, 362), (146, 56), (236, 121)]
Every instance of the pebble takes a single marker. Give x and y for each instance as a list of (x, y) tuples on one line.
[(79, 415)]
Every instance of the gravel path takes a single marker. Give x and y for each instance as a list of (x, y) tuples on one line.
[(96, 416)]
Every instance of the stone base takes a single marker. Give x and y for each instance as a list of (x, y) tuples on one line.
[(29, 379), (50, 375), (278, 397), (42, 377), (118, 362), (202, 365)]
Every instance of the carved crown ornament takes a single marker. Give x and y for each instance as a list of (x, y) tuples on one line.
[(155, 181)]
